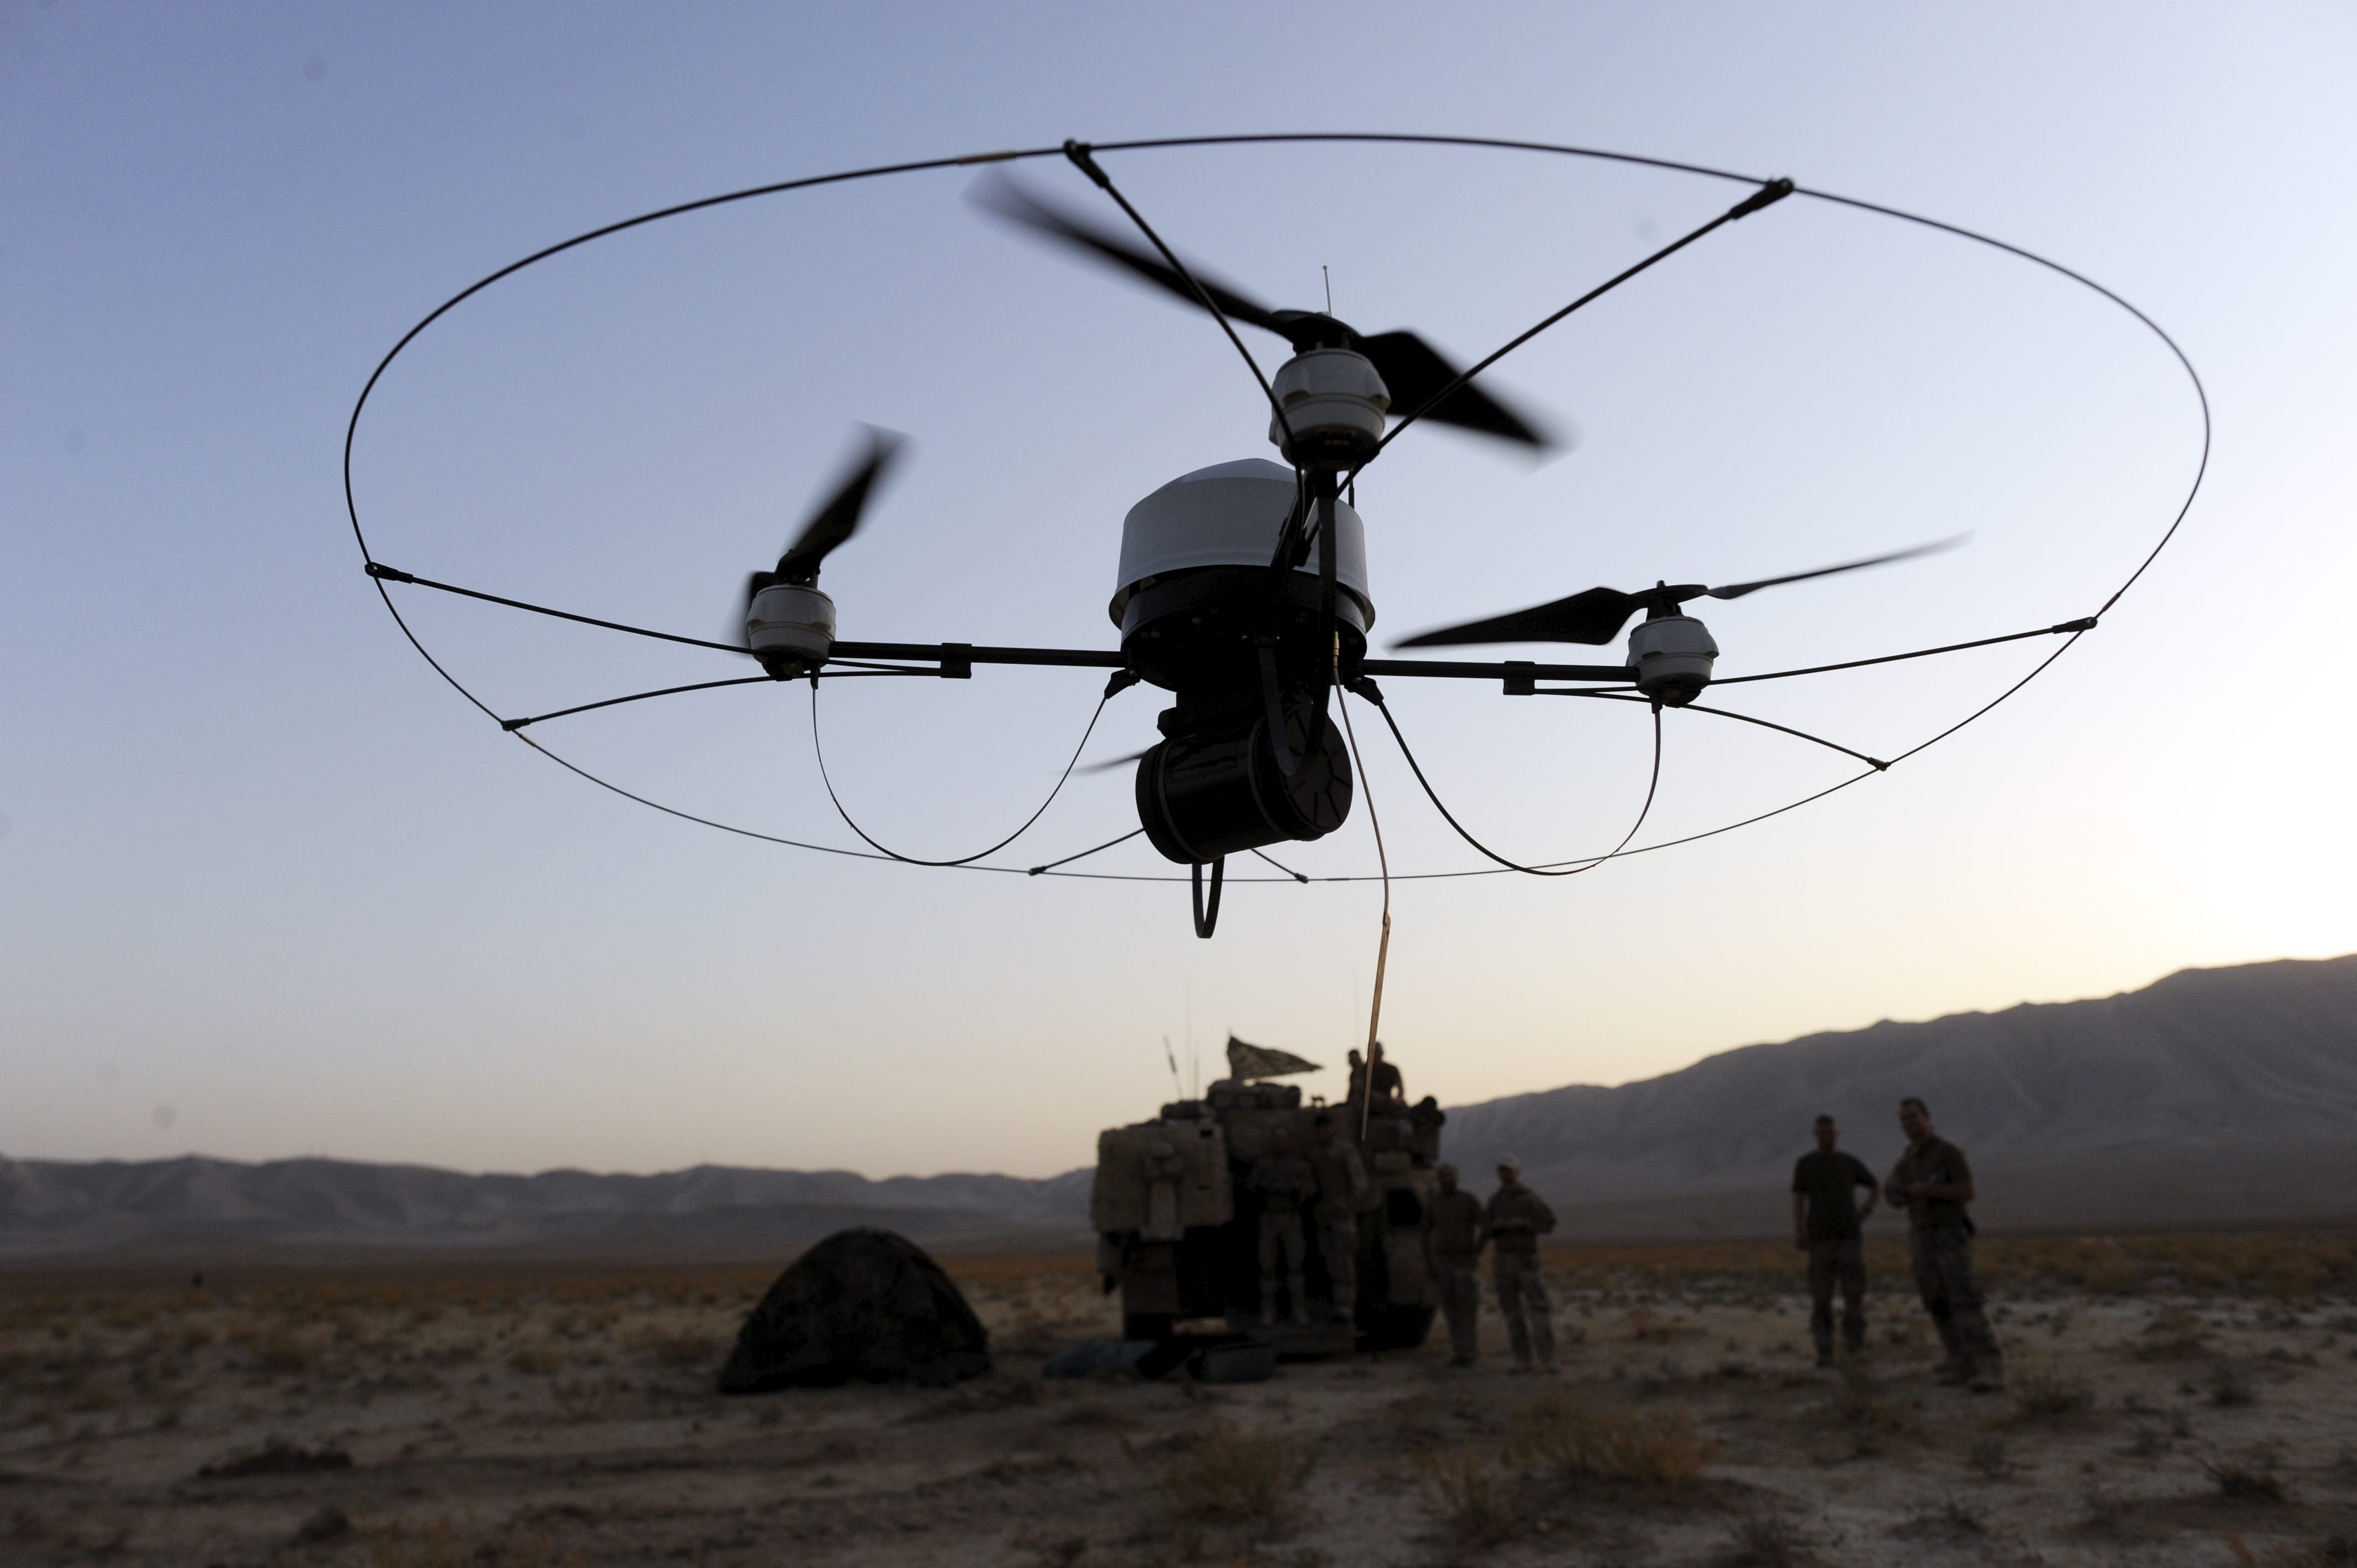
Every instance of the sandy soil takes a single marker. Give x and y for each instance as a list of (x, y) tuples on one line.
[(527, 1419)]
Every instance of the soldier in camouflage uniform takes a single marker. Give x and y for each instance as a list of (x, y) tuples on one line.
[(1516, 1219), (1342, 1192), (1455, 1232), (1826, 1225), (1286, 1184), (1934, 1182)]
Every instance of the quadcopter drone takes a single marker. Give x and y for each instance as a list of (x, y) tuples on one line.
[(1242, 588)]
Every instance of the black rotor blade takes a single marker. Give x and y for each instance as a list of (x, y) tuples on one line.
[(837, 516), (1108, 766), (1594, 616), (1737, 590), (736, 632), (1415, 371), (996, 194)]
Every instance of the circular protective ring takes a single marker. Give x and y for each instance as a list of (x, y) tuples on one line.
[(351, 430)]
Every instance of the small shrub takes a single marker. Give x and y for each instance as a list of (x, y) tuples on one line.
[(2250, 1482), (2046, 1387), (1463, 1493), (1989, 1459), (1660, 1448), (1236, 1472)]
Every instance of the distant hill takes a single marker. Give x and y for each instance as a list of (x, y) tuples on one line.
[(324, 1208), (2212, 1098)]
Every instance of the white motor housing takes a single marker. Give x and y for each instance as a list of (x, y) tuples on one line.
[(789, 626), (1672, 656), (1335, 402), (1229, 515)]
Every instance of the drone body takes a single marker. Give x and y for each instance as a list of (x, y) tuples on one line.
[(1243, 588)]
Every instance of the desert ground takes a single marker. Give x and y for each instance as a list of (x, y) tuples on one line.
[(2172, 1399)]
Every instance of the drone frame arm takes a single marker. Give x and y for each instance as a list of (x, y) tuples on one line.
[(1775, 190)]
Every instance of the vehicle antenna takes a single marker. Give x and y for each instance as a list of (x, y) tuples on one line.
[(1329, 277), (1176, 1087)]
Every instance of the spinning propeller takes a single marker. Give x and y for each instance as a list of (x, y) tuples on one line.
[(835, 520), (1598, 615), (1413, 371)]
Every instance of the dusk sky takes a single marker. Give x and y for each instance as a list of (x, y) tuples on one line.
[(268, 886)]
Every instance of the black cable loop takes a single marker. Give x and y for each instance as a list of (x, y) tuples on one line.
[(820, 752), (1652, 785), (1383, 138)]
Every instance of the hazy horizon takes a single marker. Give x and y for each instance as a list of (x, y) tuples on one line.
[(267, 886)]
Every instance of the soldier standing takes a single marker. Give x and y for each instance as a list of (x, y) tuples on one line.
[(1456, 1231), (1285, 1182), (1935, 1182), (1384, 1080), (1342, 1192), (1516, 1219), (1825, 1225)]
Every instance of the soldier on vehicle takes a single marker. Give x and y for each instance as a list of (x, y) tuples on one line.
[(1516, 1219), (1286, 1184), (1358, 1089), (1935, 1182), (1456, 1231), (1342, 1192), (1825, 1225), (1384, 1080)]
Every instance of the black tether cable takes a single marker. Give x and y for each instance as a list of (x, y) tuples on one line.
[(1367, 692), (820, 752), (1268, 138)]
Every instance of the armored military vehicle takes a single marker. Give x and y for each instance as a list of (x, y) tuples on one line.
[(1178, 1226)]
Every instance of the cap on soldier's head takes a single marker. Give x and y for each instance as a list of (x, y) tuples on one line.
[(1508, 1163)]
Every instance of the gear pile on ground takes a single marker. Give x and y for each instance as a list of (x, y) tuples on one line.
[(862, 1304)]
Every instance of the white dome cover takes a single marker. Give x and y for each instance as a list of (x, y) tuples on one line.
[(1229, 515)]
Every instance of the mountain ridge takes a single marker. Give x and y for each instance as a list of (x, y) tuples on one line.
[(2211, 1096)]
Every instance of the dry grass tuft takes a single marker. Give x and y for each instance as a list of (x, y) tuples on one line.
[(2047, 1387), (1236, 1472), (1559, 1431), (1465, 1495), (1859, 1400)]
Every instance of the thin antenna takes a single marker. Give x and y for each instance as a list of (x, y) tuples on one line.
[(1329, 287), (1176, 1087)]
